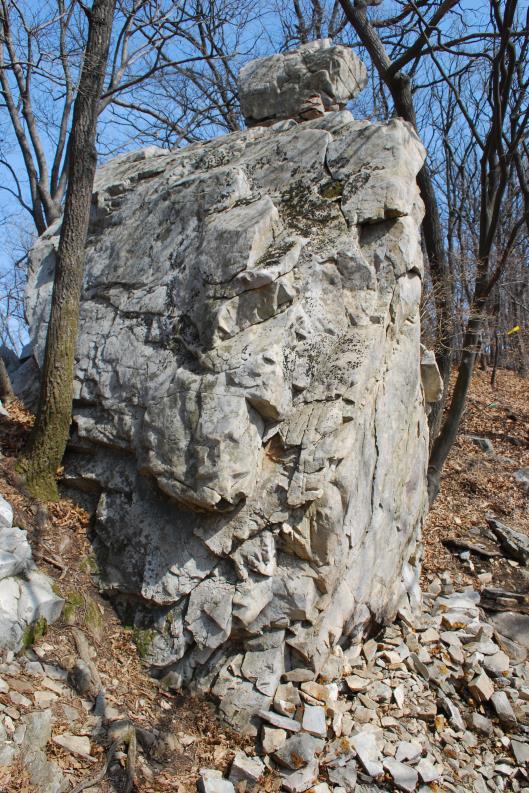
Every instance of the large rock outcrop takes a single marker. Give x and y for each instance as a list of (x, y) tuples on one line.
[(248, 404)]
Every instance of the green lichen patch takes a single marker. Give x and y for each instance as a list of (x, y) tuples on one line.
[(143, 639), (93, 618), (88, 564), (307, 211), (34, 632), (80, 609), (74, 602), (332, 190)]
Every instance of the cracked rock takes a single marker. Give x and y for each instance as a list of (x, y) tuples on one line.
[(301, 84), (404, 777), (299, 751), (257, 459), (246, 769)]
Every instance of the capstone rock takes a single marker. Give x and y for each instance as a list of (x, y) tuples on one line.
[(302, 84), (248, 414)]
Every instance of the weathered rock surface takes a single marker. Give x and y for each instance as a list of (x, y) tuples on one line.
[(248, 405), (432, 381), (26, 595), (302, 84)]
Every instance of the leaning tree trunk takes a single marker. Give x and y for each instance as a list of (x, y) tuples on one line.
[(448, 434), (399, 85), (47, 442)]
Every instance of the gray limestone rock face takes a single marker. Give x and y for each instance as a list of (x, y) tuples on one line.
[(248, 410), (302, 84), (26, 595)]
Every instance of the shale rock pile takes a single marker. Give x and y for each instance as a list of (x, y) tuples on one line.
[(438, 704), (249, 418)]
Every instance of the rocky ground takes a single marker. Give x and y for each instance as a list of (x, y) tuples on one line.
[(438, 701)]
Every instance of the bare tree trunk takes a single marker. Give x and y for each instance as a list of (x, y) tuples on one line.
[(447, 437), (6, 389), (399, 86), (496, 360), (47, 442)]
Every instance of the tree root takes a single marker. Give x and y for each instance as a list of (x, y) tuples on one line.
[(126, 737), (94, 780)]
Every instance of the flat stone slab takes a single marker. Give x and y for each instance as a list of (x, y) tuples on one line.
[(513, 626), (282, 722), (513, 543), (404, 776), (299, 751)]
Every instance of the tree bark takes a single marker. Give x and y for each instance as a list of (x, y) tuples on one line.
[(47, 442), (447, 437), (6, 389)]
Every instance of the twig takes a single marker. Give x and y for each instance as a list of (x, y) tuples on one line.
[(51, 560)]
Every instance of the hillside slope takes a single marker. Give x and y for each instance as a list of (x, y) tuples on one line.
[(183, 732)]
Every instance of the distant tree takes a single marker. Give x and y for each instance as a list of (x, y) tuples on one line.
[(476, 73), (495, 109), (306, 20)]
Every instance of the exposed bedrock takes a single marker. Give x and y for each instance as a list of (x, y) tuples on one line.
[(248, 404)]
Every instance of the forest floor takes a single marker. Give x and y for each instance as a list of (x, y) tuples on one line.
[(475, 483)]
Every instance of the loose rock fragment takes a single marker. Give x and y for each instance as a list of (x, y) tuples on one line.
[(77, 744), (300, 780), (481, 688), (246, 769), (404, 776), (272, 739), (344, 775), (282, 722), (286, 699), (496, 664), (314, 720), (366, 748), (480, 723), (520, 751), (427, 771), (211, 781), (408, 751), (298, 751), (355, 684), (298, 675), (503, 709)]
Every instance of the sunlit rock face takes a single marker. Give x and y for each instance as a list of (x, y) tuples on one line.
[(304, 83), (248, 406)]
